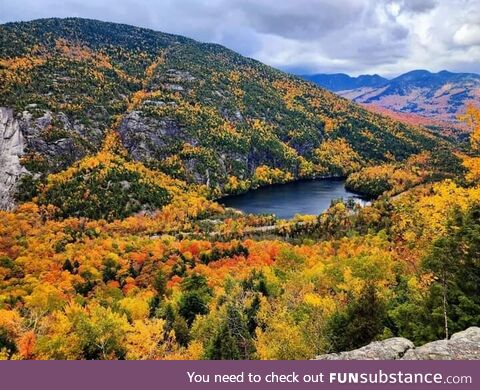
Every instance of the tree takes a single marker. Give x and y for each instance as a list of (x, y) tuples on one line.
[(441, 262), (233, 340), (455, 262), (144, 340), (101, 331), (7, 343), (472, 118), (192, 303), (223, 346), (195, 297), (160, 283), (359, 324)]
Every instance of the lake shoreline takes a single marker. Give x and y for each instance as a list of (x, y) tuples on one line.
[(304, 196)]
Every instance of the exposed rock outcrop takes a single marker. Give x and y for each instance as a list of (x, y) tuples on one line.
[(390, 349), (150, 139), (461, 346), (12, 146), (59, 148), (27, 134), (147, 138)]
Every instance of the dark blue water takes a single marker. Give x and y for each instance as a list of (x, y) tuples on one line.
[(286, 200)]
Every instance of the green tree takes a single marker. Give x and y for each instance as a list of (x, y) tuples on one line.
[(455, 263), (195, 297), (233, 340), (362, 321)]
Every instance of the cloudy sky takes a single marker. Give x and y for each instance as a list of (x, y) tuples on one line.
[(387, 37)]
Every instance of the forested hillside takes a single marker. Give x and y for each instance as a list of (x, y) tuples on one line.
[(197, 112)]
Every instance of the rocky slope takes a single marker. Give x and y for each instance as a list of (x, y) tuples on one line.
[(198, 112), (12, 144), (461, 346)]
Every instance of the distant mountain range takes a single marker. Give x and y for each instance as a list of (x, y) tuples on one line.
[(417, 97), (341, 82)]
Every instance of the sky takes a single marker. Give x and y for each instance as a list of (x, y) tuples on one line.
[(386, 37)]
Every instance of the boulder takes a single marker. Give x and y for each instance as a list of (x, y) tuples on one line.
[(389, 349), (463, 345)]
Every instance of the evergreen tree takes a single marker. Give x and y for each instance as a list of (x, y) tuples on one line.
[(195, 297), (233, 340), (455, 262), (359, 324)]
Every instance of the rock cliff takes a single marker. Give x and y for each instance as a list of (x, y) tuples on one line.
[(23, 134), (12, 145), (461, 346)]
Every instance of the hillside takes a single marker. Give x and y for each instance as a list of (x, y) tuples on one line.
[(417, 97), (196, 282), (195, 111)]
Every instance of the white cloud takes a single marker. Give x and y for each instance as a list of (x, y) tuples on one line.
[(467, 35)]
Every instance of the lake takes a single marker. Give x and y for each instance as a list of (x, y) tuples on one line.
[(286, 200)]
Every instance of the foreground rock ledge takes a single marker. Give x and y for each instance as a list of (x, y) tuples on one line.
[(461, 346)]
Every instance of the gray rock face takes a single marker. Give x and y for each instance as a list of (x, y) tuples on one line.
[(461, 346), (12, 146), (58, 152), (146, 138), (150, 139), (21, 134), (390, 349)]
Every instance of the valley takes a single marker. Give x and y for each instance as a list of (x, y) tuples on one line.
[(118, 147)]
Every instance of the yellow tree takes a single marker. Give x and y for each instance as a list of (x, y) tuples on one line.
[(472, 118)]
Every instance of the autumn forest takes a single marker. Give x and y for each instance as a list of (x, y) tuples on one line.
[(114, 243)]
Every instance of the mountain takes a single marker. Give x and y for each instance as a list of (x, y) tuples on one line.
[(116, 140), (416, 97), (197, 112), (341, 81)]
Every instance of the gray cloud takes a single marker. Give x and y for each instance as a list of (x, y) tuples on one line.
[(302, 19), (355, 36), (418, 5)]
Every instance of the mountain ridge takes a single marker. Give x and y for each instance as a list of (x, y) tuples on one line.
[(341, 81)]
